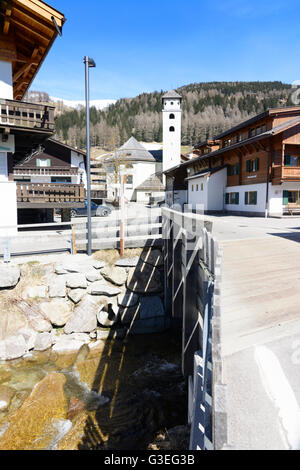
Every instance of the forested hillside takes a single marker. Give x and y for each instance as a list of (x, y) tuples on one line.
[(208, 109)]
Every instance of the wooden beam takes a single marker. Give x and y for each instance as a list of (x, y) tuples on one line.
[(33, 32), (22, 70)]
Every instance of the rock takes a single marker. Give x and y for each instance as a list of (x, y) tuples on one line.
[(84, 337), (76, 295), (6, 396), (98, 264), (46, 404), (103, 334), (57, 311), (153, 257), (9, 276), (76, 281), (84, 318), (59, 270), (107, 319), (127, 299), (57, 288), (93, 276), (82, 353), (128, 314), (127, 262), (35, 318), (75, 407), (93, 334), (144, 279), (35, 292), (13, 348), (43, 342), (65, 344), (151, 307), (11, 321), (29, 335), (103, 288), (116, 275)]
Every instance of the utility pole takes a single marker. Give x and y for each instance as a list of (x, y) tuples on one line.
[(88, 64)]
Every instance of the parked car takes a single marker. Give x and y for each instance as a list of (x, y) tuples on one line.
[(96, 211)]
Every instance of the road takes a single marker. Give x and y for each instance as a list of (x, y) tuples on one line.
[(261, 330)]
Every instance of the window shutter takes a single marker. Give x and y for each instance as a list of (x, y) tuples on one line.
[(248, 162), (237, 168), (257, 164), (285, 198), (255, 198), (237, 198), (229, 171), (246, 198), (227, 198)]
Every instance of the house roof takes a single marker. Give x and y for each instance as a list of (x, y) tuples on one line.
[(81, 152), (153, 183), (171, 94), (132, 151), (206, 172), (28, 29)]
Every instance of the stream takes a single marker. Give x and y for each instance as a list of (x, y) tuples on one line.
[(118, 396)]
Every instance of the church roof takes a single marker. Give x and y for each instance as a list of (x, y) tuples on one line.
[(132, 151), (172, 94), (153, 183)]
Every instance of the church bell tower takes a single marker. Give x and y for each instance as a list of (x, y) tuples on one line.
[(171, 129)]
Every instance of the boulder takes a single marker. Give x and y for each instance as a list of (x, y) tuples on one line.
[(9, 276), (13, 347), (32, 292), (153, 257), (98, 264), (144, 279), (76, 295), (103, 288), (128, 299), (116, 275), (65, 344), (84, 317), (151, 307), (76, 281), (43, 342), (93, 276), (57, 311), (57, 287), (6, 396), (127, 262), (35, 318), (11, 321), (29, 335)]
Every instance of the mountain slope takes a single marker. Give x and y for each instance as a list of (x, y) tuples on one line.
[(208, 109)]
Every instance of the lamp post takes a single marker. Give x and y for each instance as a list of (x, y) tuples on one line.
[(88, 62)]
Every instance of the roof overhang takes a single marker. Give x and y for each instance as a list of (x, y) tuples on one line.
[(28, 29)]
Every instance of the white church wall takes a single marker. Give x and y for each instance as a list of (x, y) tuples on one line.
[(171, 133), (8, 211)]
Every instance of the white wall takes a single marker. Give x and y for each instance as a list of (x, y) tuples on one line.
[(215, 190), (276, 196), (8, 210), (201, 196), (6, 83), (261, 198), (3, 167), (171, 140), (77, 160)]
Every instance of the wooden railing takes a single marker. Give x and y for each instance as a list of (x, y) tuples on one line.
[(27, 115), (50, 194), (288, 173), (49, 171)]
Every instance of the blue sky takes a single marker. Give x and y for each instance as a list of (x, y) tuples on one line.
[(144, 46)]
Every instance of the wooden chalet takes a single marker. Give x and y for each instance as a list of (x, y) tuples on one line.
[(28, 29), (252, 168)]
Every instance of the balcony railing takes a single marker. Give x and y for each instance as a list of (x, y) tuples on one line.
[(27, 115), (32, 195), (47, 171), (287, 173)]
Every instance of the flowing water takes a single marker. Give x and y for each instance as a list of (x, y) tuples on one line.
[(117, 397)]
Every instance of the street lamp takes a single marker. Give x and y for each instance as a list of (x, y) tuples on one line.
[(89, 63)]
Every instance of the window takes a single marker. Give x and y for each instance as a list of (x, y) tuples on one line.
[(252, 165), (251, 198), (172, 129), (232, 198), (290, 197), (192, 187), (258, 130), (263, 128), (201, 186), (252, 133), (197, 187), (233, 170), (129, 179), (290, 160), (239, 138), (43, 163), (61, 179), (172, 116)]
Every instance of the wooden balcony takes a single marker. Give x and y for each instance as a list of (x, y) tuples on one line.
[(47, 171), (286, 173), (49, 195), (33, 116)]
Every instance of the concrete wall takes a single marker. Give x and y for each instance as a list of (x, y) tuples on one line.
[(8, 210), (215, 190), (259, 208), (200, 195), (6, 84)]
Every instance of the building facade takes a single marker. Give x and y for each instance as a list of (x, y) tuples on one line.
[(253, 168)]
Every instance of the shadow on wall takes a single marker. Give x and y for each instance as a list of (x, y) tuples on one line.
[(139, 373)]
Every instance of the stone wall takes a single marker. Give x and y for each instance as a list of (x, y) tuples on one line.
[(79, 300)]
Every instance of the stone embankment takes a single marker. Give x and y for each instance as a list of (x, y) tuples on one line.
[(78, 301)]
